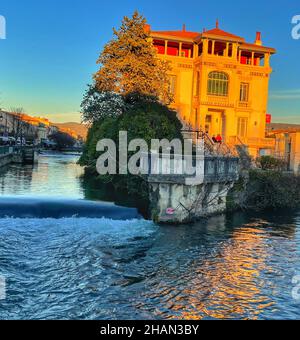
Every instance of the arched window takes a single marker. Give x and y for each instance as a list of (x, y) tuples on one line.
[(218, 84)]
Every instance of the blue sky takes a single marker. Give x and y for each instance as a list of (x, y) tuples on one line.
[(51, 48)]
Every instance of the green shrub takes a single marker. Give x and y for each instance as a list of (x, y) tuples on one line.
[(271, 163), (272, 190)]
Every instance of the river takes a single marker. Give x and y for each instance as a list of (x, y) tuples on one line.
[(237, 266)]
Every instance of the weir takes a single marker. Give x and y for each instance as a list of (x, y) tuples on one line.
[(61, 208)]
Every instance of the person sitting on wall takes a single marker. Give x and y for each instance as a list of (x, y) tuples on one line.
[(219, 139)]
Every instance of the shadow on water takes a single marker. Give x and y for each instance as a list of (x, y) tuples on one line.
[(94, 190)]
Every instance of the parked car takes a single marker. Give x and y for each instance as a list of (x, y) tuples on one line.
[(21, 141), (12, 141)]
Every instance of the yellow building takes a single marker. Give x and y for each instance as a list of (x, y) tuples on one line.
[(220, 83)]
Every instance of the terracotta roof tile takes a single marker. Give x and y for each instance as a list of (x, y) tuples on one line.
[(254, 46), (179, 34), (221, 33)]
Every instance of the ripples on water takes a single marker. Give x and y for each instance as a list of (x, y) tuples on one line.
[(102, 269), (82, 268)]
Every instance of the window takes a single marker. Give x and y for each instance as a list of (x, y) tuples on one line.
[(218, 84), (242, 127), (244, 92)]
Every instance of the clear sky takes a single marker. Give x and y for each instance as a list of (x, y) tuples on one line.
[(51, 48)]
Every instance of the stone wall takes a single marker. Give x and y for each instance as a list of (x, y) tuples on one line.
[(178, 198), (179, 203), (5, 160)]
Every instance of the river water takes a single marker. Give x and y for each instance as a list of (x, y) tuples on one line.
[(227, 267)]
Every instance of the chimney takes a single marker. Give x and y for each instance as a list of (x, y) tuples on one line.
[(147, 28), (184, 27), (258, 39)]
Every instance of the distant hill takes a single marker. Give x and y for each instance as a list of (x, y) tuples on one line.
[(285, 126), (79, 129)]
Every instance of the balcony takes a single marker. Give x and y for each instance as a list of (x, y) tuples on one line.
[(244, 105), (268, 143), (218, 101), (256, 142)]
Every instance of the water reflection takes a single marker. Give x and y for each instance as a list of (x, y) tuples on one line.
[(59, 176), (53, 176), (229, 273)]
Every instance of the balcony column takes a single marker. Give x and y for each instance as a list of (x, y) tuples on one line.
[(227, 50), (240, 56), (213, 47), (205, 47), (267, 60), (196, 50), (180, 49), (166, 47), (252, 59), (234, 51)]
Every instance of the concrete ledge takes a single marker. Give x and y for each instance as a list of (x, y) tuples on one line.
[(9, 159), (5, 160)]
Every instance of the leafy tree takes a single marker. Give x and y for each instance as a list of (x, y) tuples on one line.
[(63, 140), (96, 106), (130, 93), (143, 117), (107, 128), (129, 63)]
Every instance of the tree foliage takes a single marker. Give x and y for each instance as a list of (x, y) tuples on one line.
[(271, 163), (63, 140), (273, 190), (143, 117), (266, 190), (129, 63), (130, 93), (96, 106)]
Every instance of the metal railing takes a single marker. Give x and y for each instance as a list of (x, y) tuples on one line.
[(211, 148)]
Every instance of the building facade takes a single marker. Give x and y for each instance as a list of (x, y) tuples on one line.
[(220, 83), (287, 148)]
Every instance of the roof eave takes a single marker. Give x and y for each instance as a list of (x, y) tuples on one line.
[(161, 36), (258, 48), (222, 37)]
